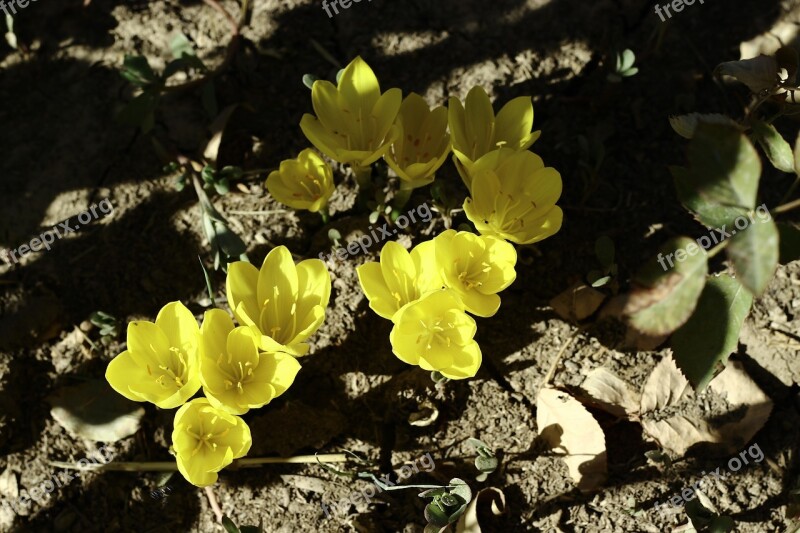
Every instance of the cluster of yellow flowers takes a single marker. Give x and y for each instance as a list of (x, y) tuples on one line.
[(513, 195), (278, 307), (427, 292)]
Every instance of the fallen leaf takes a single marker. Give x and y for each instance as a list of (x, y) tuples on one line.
[(217, 128), (95, 411), (577, 302), (665, 387), (611, 393), (738, 387), (567, 426), (9, 488), (487, 500)]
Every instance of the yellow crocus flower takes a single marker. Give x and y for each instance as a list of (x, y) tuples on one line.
[(285, 303), (206, 439), (514, 199), (354, 122), (302, 183), (476, 131), (235, 376), (476, 268), (400, 277), (422, 145), (161, 364), (435, 333)]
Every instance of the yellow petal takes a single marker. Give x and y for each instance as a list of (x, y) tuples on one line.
[(466, 362), (277, 284), (147, 343), (122, 371), (324, 99), (370, 276), (179, 325), (514, 123), (479, 122), (359, 85), (240, 287), (323, 140), (278, 370)]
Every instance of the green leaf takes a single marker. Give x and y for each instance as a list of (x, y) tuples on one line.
[(95, 411), (710, 214), (789, 242), (721, 524), (136, 69), (778, 151), (229, 526), (754, 253), (486, 464), (436, 516), (181, 46), (668, 288), (685, 125), (725, 166), (628, 59), (796, 155), (703, 344), (309, 79)]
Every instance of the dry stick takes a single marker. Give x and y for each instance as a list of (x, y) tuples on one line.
[(553, 366), (212, 499), (170, 466)]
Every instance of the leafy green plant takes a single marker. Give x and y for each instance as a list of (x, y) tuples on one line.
[(604, 251), (623, 67), (486, 461), (231, 527), (679, 293), (108, 325), (447, 505)]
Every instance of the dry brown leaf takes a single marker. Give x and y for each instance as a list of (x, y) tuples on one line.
[(611, 393), (679, 433), (666, 386), (567, 426), (488, 498), (577, 302), (217, 130)]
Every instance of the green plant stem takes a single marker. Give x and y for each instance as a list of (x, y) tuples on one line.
[(364, 180), (400, 200), (787, 207), (169, 466), (717, 249), (326, 216), (791, 190)]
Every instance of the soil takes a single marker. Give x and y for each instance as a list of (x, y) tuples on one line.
[(62, 151)]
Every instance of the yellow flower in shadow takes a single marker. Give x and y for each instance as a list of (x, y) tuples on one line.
[(235, 376), (514, 199), (161, 364), (422, 145), (476, 131), (435, 333), (476, 268), (206, 439), (354, 122), (302, 183), (400, 277), (283, 302)]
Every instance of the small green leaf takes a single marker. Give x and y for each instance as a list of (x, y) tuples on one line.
[(789, 242), (668, 288), (703, 344), (759, 73), (229, 526), (309, 79), (136, 69), (685, 125), (436, 516), (710, 214), (721, 524), (628, 59), (181, 46), (796, 155), (754, 253), (486, 464), (724, 165), (775, 146)]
